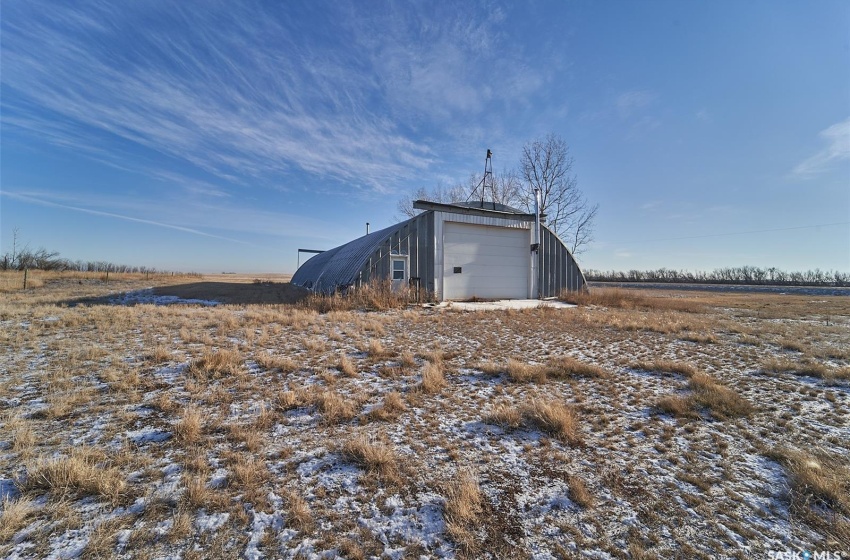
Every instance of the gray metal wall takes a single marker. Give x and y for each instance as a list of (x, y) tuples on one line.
[(415, 239), (557, 267)]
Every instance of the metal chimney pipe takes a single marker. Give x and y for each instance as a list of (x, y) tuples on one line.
[(537, 215), (367, 228)]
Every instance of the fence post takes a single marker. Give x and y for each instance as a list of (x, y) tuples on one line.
[(26, 271), (107, 276)]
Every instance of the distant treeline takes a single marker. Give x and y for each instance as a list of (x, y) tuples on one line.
[(42, 259), (748, 275)]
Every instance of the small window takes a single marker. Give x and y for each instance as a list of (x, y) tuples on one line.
[(458, 269), (398, 269)]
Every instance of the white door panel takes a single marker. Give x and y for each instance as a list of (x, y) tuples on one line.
[(485, 261)]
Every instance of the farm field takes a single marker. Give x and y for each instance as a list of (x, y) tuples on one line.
[(634, 425)]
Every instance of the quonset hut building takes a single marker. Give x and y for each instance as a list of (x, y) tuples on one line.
[(453, 251)]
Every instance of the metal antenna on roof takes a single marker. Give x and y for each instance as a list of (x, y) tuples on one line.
[(486, 181)]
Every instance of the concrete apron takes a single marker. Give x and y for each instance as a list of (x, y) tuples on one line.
[(500, 304)]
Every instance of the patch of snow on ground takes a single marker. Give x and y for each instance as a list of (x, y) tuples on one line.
[(147, 296)]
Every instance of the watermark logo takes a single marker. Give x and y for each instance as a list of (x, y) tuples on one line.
[(807, 555)]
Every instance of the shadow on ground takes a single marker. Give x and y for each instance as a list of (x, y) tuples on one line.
[(222, 292)]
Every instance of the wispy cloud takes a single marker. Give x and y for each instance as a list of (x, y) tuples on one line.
[(629, 102), (249, 96), (837, 139), (45, 202)]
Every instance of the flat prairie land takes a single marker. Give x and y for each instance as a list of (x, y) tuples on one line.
[(141, 419)]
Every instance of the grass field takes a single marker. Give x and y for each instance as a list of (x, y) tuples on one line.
[(635, 425)]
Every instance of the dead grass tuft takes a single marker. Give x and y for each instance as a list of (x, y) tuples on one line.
[(722, 401), (666, 366), (554, 418), (806, 367), (85, 472), (433, 378), (189, 427), (579, 492), (621, 298), (377, 458), (506, 416), (407, 359), (269, 361), (346, 366), (300, 517), (565, 367), (819, 488), (462, 509), (520, 372), (159, 355), (378, 296), (334, 408), (214, 364), (392, 406), (680, 406), (375, 350), (15, 516)]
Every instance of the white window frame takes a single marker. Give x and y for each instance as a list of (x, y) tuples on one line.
[(402, 259)]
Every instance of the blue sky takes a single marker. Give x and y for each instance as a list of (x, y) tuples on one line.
[(222, 136)]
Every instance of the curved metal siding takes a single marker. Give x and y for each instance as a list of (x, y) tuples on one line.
[(413, 239), (369, 257), (338, 268), (558, 269)]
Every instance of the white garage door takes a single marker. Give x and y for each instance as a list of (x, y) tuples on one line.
[(485, 261)]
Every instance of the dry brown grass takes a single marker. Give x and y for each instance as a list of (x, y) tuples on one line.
[(554, 418), (375, 350), (190, 426), (565, 367), (666, 366), (621, 298), (15, 516), (299, 515), (433, 378), (505, 415), (722, 401), (346, 366), (269, 361), (85, 472), (561, 368), (392, 406), (375, 457), (819, 488), (579, 492), (214, 364), (378, 296), (407, 359), (806, 367), (462, 509), (706, 393), (681, 406), (159, 355), (520, 372), (334, 408)]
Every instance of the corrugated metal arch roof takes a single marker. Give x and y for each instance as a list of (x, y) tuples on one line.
[(338, 267)]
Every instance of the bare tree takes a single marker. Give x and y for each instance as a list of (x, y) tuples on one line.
[(546, 165), (439, 193)]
